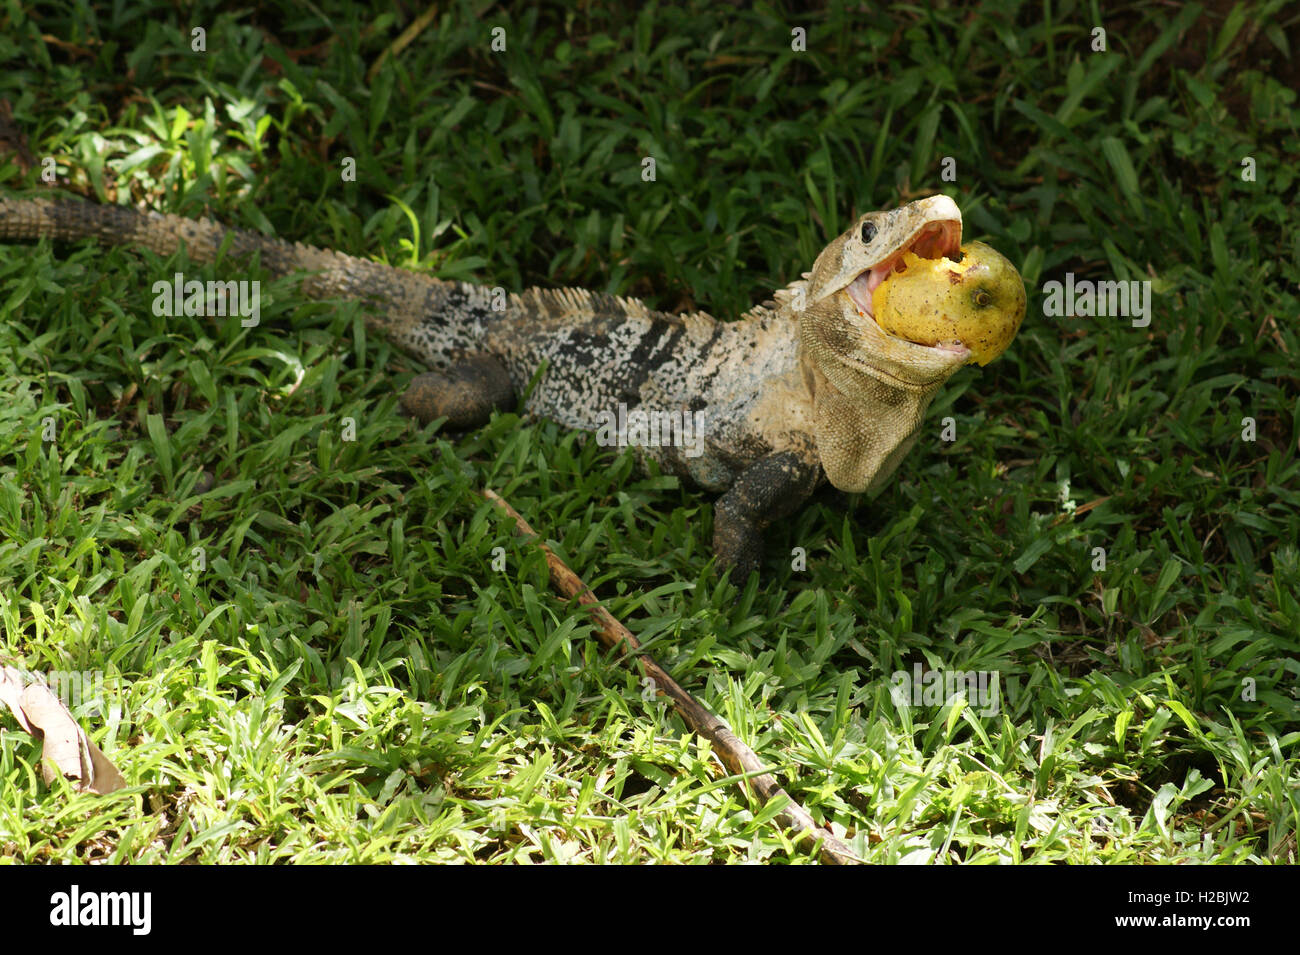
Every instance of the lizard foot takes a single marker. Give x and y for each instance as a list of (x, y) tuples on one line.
[(770, 488), (465, 394)]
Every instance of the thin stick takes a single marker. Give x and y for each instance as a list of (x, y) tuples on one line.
[(738, 757), (402, 42)]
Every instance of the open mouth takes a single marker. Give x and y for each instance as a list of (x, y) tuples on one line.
[(935, 240)]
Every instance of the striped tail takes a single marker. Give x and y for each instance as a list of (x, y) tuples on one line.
[(397, 291)]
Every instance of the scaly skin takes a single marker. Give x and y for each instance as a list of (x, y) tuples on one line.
[(801, 390)]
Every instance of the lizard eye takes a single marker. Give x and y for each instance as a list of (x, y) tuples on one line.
[(981, 298), (868, 232)]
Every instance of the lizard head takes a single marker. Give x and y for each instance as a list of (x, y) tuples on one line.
[(862, 258), (837, 327), (871, 388)]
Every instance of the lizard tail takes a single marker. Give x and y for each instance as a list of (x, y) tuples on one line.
[(332, 274)]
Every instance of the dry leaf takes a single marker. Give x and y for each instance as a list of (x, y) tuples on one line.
[(11, 694), (68, 750)]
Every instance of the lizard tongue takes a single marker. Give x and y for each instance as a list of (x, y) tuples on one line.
[(860, 289)]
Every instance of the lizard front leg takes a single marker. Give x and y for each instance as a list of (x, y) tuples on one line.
[(465, 394), (767, 490)]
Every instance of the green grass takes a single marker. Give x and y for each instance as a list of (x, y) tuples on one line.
[(308, 650)]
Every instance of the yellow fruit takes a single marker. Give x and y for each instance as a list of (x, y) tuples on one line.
[(977, 301)]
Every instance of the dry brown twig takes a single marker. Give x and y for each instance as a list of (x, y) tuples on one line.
[(738, 758), (402, 42)]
